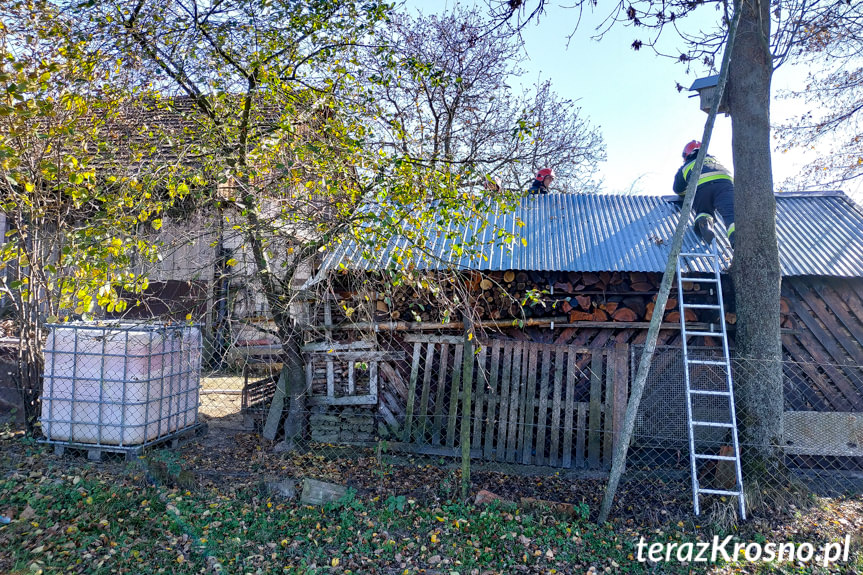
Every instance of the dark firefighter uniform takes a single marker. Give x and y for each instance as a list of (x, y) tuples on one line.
[(715, 193)]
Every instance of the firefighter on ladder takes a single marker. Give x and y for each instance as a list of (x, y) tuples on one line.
[(715, 192)]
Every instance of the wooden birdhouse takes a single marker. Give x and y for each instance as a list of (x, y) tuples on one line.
[(706, 88)]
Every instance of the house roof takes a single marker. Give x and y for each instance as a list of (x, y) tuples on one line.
[(818, 233)]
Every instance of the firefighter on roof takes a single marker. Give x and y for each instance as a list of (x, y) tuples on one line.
[(715, 192), (543, 180)]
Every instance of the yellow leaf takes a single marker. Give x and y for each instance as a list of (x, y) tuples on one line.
[(524, 242), (180, 558), (434, 538), (231, 262), (335, 562)]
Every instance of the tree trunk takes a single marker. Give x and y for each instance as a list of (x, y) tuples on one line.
[(295, 387), (755, 270)]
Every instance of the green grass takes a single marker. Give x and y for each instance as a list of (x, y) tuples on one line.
[(110, 519), (124, 525)]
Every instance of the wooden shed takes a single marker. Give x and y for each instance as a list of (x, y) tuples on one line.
[(550, 380)]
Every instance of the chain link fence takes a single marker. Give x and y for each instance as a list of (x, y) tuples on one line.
[(536, 420)]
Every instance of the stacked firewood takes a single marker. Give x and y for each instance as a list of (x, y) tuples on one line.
[(510, 295)]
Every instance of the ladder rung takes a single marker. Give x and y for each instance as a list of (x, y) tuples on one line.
[(707, 392), (696, 255), (705, 333), (711, 424), (707, 361), (719, 492), (698, 280), (717, 457), (700, 306)]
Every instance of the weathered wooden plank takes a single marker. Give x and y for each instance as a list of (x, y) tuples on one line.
[(837, 401), (492, 400), (823, 336), (343, 400), (454, 393), (440, 451), (832, 323), (373, 355), (424, 396), (801, 392), (594, 425), (437, 422), (412, 391), (352, 386), (572, 369), (325, 346), (554, 449), (517, 429), (387, 414), (394, 380), (607, 409), (481, 387), (331, 384), (503, 409), (580, 433), (450, 339), (837, 378), (564, 336), (373, 378), (840, 309), (515, 391), (529, 406), (542, 413), (852, 297), (621, 391)]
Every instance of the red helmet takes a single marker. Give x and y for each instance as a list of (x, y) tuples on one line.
[(691, 147), (543, 173)]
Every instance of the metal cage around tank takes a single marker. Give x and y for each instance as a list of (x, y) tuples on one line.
[(120, 386)]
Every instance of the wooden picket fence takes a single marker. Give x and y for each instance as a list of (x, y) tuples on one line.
[(531, 403)]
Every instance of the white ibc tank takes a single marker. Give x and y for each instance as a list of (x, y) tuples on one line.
[(120, 384)]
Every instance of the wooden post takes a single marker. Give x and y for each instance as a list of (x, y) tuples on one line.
[(274, 416), (467, 387), (619, 457)]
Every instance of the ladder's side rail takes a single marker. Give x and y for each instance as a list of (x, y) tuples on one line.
[(730, 384), (683, 336)]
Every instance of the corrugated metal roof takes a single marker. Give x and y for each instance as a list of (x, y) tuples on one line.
[(819, 234)]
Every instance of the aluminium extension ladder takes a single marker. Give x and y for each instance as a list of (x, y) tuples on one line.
[(711, 258)]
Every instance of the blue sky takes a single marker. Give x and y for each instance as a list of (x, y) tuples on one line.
[(632, 97)]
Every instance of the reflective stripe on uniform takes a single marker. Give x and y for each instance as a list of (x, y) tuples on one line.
[(712, 177), (687, 169), (730, 230), (709, 177), (703, 215)]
